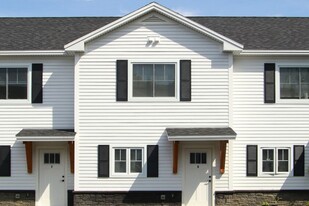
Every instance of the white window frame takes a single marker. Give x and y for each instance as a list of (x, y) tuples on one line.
[(277, 84), (128, 172), (29, 80), (153, 99), (275, 172)]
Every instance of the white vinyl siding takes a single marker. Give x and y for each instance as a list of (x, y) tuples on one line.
[(57, 111), (280, 125), (103, 121)]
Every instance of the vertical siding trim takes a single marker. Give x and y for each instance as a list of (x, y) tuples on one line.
[(269, 83)]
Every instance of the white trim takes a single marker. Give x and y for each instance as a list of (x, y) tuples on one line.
[(272, 52), (35, 53), (201, 138), (127, 174), (231, 125), (153, 99), (77, 58), (79, 44), (46, 139), (277, 84)]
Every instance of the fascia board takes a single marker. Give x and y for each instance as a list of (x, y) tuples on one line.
[(201, 138), (272, 52), (34, 53)]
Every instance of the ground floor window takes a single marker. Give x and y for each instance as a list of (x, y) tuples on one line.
[(128, 161), (275, 160)]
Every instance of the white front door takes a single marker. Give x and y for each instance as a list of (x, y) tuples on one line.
[(51, 186), (197, 180)]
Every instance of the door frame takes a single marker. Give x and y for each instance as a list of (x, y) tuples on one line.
[(37, 162), (211, 149)]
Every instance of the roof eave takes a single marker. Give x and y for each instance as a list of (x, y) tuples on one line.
[(202, 138), (78, 45), (45, 138), (35, 53), (272, 53)]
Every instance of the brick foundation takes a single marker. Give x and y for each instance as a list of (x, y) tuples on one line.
[(266, 198), (17, 198), (128, 198)]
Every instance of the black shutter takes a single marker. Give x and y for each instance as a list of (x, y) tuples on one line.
[(5, 161), (299, 160), (122, 80), (37, 84), (252, 160), (152, 161), (185, 80), (269, 83), (103, 161)]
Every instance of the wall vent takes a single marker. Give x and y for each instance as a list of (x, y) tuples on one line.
[(153, 19)]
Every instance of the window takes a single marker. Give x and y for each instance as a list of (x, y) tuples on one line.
[(13, 83), (128, 161), (51, 158), (198, 158), (294, 83), (153, 80), (275, 160)]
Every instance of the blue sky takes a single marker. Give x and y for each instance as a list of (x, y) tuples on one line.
[(28, 8)]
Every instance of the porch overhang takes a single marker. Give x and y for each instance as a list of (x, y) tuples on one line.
[(221, 134), (200, 134), (28, 136)]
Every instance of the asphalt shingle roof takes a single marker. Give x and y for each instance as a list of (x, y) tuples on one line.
[(46, 133), (226, 131), (255, 33)]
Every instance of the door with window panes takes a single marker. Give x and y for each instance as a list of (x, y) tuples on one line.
[(198, 178), (52, 181)]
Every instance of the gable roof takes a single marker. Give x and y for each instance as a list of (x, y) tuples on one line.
[(228, 44), (255, 33)]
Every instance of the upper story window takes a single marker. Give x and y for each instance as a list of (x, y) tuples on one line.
[(153, 80), (294, 83), (13, 83)]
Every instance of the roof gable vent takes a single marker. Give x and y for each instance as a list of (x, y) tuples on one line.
[(153, 19)]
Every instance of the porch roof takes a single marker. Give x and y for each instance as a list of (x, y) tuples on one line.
[(200, 134), (46, 135)]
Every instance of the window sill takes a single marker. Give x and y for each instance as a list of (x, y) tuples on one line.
[(14, 101), (125, 176), (277, 175), (292, 101), (153, 99)]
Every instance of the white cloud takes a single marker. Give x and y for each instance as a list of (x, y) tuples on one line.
[(186, 12)]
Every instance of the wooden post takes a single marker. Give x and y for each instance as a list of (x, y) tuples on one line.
[(175, 157), (222, 156), (28, 148), (71, 149)]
